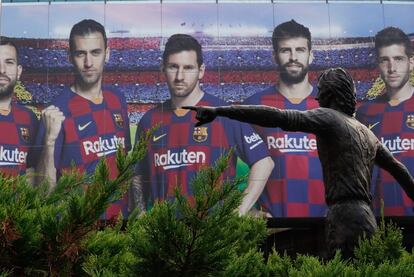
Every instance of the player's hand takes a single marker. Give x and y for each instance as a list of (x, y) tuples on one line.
[(52, 118), (204, 114)]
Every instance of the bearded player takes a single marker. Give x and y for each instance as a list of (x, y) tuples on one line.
[(295, 188), (18, 123), (179, 149)]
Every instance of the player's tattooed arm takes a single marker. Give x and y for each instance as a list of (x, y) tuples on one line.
[(52, 119)]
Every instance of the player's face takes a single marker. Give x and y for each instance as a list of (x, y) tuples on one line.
[(89, 57), (182, 73), (9, 70), (293, 57), (394, 65)]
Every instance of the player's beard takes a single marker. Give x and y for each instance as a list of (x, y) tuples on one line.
[(186, 90), (7, 90), (295, 77)]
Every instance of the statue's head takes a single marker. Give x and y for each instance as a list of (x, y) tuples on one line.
[(337, 90)]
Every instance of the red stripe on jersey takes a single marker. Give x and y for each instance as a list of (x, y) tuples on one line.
[(392, 122), (377, 108), (219, 139), (71, 133), (9, 133), (179, 134), (21, 116), (394, 210), (78, 106), (103, 121), (297, 167), (112, 101), (298, 209), (161, 117), (275, 190), (316, 192)]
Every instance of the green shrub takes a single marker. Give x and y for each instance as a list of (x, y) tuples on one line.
[(279, 265), (58, 230), (385, 246), (44, 231), (180, 239), (107, 253), (248, 264)]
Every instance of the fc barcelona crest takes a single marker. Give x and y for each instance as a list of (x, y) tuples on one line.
[(119, 120), (24, 133), (200, 134), (410, 121)]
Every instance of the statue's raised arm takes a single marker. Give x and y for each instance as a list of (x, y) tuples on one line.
[(261, 115)]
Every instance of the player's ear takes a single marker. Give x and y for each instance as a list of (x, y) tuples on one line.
[(19, 71), (311, 56), (201, 71), (411, 61), (274, 57), (70, 58), (107, 54)]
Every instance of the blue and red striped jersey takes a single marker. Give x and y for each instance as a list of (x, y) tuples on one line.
[(394, 127), (295, 188), (18, 131), (178, 149), (90, 132)]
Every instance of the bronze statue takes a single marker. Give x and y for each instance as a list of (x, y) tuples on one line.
[(347, 150)]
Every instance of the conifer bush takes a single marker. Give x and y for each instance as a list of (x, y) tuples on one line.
[(201, 239), (247, 264), (107, 253), (43, 232), (56, 233), (279, 265), (384, 246)]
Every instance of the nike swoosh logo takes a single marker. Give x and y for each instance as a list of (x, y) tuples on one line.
[(370, 126), (156, 138), (83, 127)]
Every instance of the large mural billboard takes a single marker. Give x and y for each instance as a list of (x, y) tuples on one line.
[(243, 64)]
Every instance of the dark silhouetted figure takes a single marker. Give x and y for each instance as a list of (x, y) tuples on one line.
[(347, 150)]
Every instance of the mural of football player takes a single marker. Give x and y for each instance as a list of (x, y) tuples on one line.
[(87, 121), (18, 123), (295, 188), (391, 116), (179, 149)]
